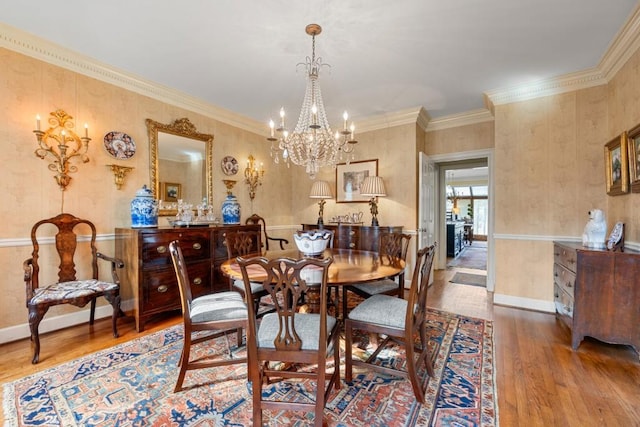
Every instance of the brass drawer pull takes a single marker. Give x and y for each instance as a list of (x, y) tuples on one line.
[(197, 246), (163, 288), (352, 245), (197, 281), (352, 232), (161, 249)]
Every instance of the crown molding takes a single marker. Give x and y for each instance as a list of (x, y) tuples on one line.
[(44, 50), (463, 119), (625, 44), (398, 118)]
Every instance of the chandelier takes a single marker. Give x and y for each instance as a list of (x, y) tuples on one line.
[(312, 144)]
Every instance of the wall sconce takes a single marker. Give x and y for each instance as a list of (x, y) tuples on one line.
[(119, 172), (320, 190), (253, 176), (62, 144), (373, 186)]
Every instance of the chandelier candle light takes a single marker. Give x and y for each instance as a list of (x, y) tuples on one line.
[(373, 186), (312, 143), (253, 176), (320, 190)]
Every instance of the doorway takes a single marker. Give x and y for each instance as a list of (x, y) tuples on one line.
[(460, 203)]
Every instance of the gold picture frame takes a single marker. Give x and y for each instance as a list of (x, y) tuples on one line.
[(617, 165), (633, 143), (170, 191), (349, 177)]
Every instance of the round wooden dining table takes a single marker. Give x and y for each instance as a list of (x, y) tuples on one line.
[(349, 266)]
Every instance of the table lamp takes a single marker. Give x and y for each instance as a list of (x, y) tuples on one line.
[(320, 190), (373, 186)]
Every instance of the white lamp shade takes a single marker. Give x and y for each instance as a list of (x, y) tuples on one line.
[(373, 186), (320, 190)]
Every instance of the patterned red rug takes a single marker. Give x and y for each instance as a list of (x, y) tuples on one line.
[(132, 385)]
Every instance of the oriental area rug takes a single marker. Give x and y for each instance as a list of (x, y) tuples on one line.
[(131, 384)]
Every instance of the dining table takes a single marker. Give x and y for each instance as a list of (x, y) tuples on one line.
[(349, 266)]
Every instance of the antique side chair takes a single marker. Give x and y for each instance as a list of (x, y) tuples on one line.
[(69, 289), (219, 313), (304, 340), (257, 219), (400, 321)]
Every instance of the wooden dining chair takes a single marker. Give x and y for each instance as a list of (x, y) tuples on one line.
[(70, 288), (400, 321), (305, 340), (392, 248), (257, 219), (219, 313), (244, 243)]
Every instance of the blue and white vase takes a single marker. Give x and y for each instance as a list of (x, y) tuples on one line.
[(230, 210), (144, 209)]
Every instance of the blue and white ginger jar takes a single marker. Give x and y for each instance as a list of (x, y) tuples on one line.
[(144, 209), (231, 210)]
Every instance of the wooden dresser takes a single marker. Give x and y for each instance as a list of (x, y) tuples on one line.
[(597, 293), (352, 236), (149, 272)]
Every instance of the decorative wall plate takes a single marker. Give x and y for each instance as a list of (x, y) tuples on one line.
[(119, 145), (229, 165), (617, 234)]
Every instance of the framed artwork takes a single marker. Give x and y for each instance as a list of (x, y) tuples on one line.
[(349, 178), (633, 141), (170, 191), (617, 165)]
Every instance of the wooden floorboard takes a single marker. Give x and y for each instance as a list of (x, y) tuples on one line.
[(540, 380)]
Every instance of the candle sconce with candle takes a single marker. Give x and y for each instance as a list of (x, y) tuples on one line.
[(253, 176), (62, 144)]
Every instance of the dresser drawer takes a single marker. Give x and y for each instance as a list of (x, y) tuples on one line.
[(566, 257), (564, 278), (194, 245), (564, 303), (160, 287), (347, 237)]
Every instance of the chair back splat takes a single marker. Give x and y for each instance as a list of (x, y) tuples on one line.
[(290, 336), (69, 289), (257, 219), (219, 313), (400, 321)]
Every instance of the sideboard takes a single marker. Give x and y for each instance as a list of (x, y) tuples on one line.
[(149, 271), (597, 293), (353, 236)]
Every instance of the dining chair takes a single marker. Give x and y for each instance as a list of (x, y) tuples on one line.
[(218, 313), (244, 243), (392, 248), (69, 287), (257, 219), (305, 340), (400, 321)]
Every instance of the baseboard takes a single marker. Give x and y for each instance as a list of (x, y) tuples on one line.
[(49, 324), (525, 303)]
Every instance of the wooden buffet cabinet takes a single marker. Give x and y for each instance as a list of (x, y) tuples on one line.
[(354, 236), (597, 293), (149, 271)]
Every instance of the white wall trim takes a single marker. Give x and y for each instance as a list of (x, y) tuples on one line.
[(525, 303), (457, 120), (26, 241)]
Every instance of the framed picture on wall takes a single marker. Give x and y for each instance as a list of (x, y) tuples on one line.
[(617, 165), (170, 191), (349, 178), (633, 142)]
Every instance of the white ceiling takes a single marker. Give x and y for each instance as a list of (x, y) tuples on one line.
[(385, 56)]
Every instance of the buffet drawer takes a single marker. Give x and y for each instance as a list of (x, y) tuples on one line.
[(566, 257), (194, 245), (160, 289)]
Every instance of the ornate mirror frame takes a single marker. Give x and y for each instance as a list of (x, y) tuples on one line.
[(180, 127)]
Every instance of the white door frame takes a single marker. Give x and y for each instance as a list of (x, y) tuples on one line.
[(441, 233)]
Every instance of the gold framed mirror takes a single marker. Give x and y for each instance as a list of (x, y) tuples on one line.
[(187, 156)]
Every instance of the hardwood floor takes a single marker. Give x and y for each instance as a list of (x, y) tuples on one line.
[(540, 380)]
